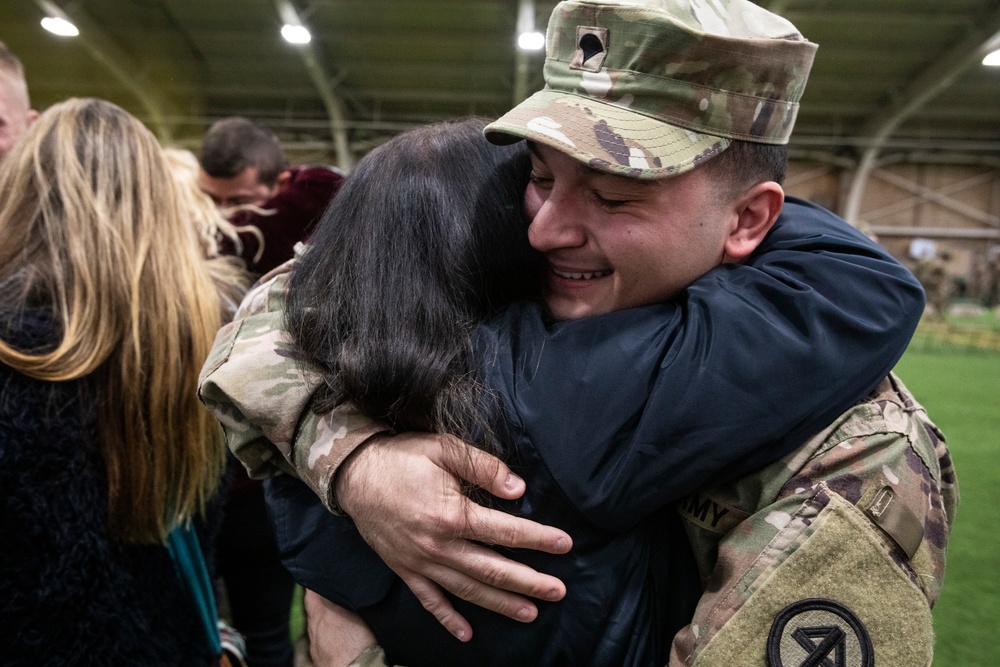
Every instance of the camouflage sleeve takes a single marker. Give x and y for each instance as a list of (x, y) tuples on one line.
[(373, 656), (259, 389), (834, 555)]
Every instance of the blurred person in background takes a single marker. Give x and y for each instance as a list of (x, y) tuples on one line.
[(16, 113), (107, 311), (274, 205), (215, 232)]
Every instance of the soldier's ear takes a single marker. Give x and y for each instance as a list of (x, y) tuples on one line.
[(755, 213)]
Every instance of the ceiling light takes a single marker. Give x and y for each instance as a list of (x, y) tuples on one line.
[(295, 34), (992, 59), (531, 41), (58, 26)]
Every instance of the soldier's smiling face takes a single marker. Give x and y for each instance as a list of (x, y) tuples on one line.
[(613, 242)]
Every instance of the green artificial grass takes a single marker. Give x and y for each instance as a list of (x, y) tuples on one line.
[(297, 620), (962, 395)]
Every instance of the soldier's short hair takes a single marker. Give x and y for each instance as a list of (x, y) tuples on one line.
[(235, 143), (746, 163)]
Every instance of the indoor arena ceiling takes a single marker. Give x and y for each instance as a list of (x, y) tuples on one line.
[(899, 74)]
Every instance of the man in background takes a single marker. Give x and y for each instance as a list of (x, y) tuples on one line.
[(275, 206), (16, 113)]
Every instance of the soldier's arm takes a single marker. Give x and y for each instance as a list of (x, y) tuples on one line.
[(259, 388), (842, 544)]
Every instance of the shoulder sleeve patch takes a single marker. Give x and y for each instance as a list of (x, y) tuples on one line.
[(818, 632)]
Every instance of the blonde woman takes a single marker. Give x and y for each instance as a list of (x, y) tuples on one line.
[(107, 311)]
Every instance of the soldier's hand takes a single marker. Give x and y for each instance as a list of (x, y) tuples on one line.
[(404, 494)]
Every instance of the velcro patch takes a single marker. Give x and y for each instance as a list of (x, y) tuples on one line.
[(591, 48)]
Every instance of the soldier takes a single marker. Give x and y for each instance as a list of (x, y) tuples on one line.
[(835, 552), (932, 272), (993, 270)]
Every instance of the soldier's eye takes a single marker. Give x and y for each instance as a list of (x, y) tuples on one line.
[(609, 204)]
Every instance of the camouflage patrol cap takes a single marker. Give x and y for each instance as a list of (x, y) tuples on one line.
[(652, 88)]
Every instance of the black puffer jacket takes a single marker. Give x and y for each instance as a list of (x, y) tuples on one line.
[(70, 595)]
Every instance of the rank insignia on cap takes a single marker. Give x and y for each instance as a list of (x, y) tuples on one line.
[(818, 633), (591, 48)]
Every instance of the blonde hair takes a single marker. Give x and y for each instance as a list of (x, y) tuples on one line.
[(210, 224), (93, 230)]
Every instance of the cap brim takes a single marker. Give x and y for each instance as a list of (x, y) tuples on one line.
[(606, 137)]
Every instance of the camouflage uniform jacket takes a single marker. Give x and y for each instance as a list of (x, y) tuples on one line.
[(263, 391), (837, 550)]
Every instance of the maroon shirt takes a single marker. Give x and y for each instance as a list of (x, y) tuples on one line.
[(297, 208)]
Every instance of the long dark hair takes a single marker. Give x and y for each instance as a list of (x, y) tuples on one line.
[(425, 239)]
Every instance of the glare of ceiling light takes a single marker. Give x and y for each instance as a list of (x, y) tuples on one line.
[(295, 34), (992, 59), (531, 41), (58, 26)]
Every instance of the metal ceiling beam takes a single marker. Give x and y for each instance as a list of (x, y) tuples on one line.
[(937, 232), (522, 62), (106, 52), (922, 88), (321, 79), (940, 196)]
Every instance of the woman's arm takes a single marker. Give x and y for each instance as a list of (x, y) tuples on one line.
[(634, 409)]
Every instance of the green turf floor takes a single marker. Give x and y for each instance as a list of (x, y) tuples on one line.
[(962, 395)]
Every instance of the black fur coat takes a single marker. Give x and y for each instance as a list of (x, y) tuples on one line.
[(69, 595)]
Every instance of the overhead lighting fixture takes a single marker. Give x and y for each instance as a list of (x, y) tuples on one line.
[(59, 26), (296, 34), (531, 41), (992, 59)]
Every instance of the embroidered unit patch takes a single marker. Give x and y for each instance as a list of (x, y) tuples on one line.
[(818, 633)]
